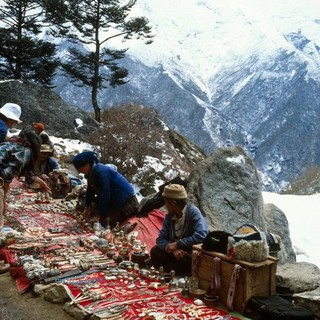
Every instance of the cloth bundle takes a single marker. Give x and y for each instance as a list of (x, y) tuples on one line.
[(59, 183)]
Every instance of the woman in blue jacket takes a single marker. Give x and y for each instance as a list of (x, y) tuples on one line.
[(183, 226), (110, 191)]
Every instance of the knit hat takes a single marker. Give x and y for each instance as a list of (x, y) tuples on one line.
[(11, 111), (175, 192), (84, 158), (46, 148), (39, 125)]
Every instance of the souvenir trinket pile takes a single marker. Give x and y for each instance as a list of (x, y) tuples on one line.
[(102, 270)]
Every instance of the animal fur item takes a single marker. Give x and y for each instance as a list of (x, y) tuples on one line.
[(247, 248)]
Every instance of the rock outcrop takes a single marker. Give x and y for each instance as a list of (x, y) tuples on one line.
[(226, 187), (303, 279), (39, 104), (277, 223)]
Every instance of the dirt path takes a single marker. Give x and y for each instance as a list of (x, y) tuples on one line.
[(27, 306)]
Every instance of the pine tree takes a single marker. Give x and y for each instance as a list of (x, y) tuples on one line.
[(22, 54), (96, 23)]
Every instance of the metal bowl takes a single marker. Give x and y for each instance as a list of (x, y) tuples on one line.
[(210, 301), (198, 293), (144, 273)]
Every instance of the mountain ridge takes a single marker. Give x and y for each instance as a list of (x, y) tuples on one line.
[(240, 74)]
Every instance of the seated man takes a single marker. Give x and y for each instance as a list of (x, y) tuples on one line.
[(46, 164), (182, 227)]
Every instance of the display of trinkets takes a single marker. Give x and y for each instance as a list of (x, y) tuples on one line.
[(104, 271)]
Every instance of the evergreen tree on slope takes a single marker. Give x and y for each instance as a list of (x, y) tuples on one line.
[(96, 23), (22, 54)]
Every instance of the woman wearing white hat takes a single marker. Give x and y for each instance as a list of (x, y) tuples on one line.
[(9, 115)]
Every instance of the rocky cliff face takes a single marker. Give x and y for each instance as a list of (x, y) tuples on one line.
[(42, 105)]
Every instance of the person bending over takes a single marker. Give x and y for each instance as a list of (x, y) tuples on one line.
[(110, 192), (47, 163), (183, 226), (18, 157)]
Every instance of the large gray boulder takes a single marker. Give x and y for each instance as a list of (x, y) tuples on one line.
[(300, 276), (226, 188)]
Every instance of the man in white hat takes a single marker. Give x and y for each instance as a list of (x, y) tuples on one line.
[(9, 115)]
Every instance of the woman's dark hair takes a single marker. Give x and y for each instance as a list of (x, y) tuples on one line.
[(29, 138)]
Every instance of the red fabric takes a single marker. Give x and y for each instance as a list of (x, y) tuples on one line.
[(18, 273), (148, 227), (7, 256), (22, 281)]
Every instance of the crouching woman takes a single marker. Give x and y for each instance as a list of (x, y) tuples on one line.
[(183, 226), (110, 192)]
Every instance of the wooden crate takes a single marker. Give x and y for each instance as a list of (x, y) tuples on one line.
[(255, 279)]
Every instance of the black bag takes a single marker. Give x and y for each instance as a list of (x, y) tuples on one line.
[(276, 308), (216, 241), (157, 200)]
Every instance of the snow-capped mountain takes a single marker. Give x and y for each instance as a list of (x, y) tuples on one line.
[(229, 72)]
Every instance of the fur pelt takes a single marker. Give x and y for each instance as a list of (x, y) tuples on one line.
[(249, 250)]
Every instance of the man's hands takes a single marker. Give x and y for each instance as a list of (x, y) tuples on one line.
[(179, 254), (173, 249)]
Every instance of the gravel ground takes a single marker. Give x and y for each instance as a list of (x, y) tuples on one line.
[(27, 306)]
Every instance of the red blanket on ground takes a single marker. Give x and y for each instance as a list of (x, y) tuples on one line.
[(119, 298), (148, 227)]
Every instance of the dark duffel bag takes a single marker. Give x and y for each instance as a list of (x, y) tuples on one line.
[(277, 308)]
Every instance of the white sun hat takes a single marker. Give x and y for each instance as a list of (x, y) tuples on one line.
[(11, 111)]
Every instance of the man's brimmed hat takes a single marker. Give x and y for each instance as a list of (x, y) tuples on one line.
[(175, 192), (46, 148)]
